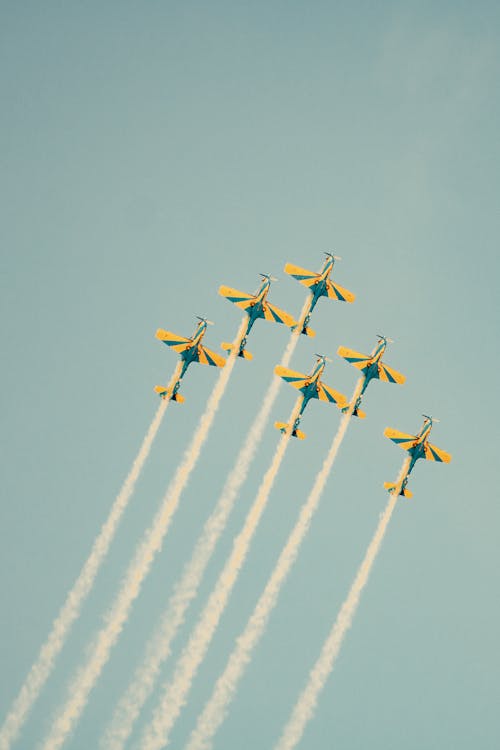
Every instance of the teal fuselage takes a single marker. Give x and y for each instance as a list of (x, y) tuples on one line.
[(418, 450), (190, 355), (310, 390), (255, 311), (319, 289)]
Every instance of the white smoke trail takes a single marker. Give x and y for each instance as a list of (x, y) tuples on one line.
[(307, 702), (217, 706), (151, 543), (159, 647), (174, 692), (41, 669)]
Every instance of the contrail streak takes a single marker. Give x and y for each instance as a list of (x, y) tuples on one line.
[(151, 543), (217, 706), (308, 700), (41, 669), (174, 692), (159, 647)]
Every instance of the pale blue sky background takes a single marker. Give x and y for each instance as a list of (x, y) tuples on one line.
[(151, 151)]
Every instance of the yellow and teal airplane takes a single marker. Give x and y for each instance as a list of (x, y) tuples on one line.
[(191, 350), (311, 387), (320, 285), (371, 366), (417, 446), (256, 306)]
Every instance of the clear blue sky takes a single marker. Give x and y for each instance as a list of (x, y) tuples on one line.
[(150, 152)]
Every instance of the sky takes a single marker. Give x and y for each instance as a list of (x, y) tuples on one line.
[(153, 151)]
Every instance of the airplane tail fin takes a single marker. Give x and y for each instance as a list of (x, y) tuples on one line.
[(242, 353), (306, 331), (355, 412), (166, 393), (283, 426), (390, 486)]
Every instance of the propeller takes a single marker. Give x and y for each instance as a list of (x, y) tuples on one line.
[(386, 338), (205, 320), (431, 419), (268, 276), (322, 356), (335, 257)]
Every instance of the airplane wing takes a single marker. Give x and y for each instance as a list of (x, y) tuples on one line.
[(297, 379), (402, 439), (178, 343), (308, 278), (389, 375), (241, 299), (361, 361), (276, 315), (325, 393), (432, 453), (208, 357), (338, 292)]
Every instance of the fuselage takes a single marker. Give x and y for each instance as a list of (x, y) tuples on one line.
[(319, 288), (372, 370), (418, 448), (191, 353), (310, 388), (256, 309)]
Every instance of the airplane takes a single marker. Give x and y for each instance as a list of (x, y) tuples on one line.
[(310, 387), (256, 306), (320, 285), (417, 446), (191, 350), (371, 366)]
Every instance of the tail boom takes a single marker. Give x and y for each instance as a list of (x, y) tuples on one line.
[(242, 352), (168, 394), (283, 427), (403, 492)]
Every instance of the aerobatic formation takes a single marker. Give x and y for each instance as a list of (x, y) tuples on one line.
[(173, 695)]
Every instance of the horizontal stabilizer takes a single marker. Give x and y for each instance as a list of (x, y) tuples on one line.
[(165, 393), (242, 353), (355, 412), (283, 426), (306, 331), (390, 486)]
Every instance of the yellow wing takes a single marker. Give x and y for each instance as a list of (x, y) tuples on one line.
[(390, 375), (208, 357), (305, 277), (335, 291), (178, 343), (354, 358), (297, 379), (325, 393), (240, 299), (274, 314), (402, 439), (432, 453)]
